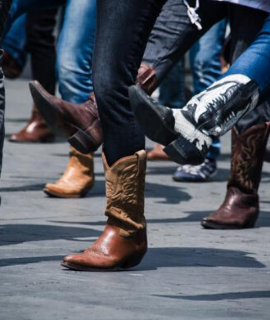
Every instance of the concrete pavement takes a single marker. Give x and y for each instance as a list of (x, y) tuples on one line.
[(188, 272)]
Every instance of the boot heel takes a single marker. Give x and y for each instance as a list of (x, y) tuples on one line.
[(82, 142), (250, 224), (133, 261), (184, 152)]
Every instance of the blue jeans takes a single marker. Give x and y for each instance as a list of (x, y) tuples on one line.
[(75, 50), (205, 57), (75, 44), (172, 88), (15, 41), (259, 54), (206, 66)]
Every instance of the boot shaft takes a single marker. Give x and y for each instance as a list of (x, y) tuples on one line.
[(125, 184), (247, 157)]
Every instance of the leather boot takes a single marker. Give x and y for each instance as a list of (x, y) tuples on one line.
[(80, 122), (240, 208), (188, 133), (78, 178), (11, 68), (36, 130), (123, 242)]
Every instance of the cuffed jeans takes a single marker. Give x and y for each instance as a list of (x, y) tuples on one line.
[(15, 41)]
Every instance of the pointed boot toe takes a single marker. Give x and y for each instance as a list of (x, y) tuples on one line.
[(157, 121)]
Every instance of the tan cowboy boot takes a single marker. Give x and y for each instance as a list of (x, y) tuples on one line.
[(240, 208), (78, 178), (123, 242), (36, 130)]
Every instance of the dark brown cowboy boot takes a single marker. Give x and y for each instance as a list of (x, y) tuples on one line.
[(123, 242), (80, 122), (36, 130), (240, 208), (11, 68)]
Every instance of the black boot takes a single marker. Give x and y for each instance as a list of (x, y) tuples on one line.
[(188, 133)]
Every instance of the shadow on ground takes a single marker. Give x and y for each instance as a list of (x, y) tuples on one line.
[(221, 296), (169, 258)]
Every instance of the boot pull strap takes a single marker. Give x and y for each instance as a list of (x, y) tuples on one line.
[(141, 156)]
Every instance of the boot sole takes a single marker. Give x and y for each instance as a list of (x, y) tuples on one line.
[(81, 141), (131, 262), (213, 225), (45, 140), (62, 195)]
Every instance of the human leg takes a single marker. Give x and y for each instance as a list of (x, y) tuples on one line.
[(243, 100), (240, 208), (171, 94), (14, 45), (206, 68), (75, 50), (40, 43), (5, 5), (75, 84), (123, 242)]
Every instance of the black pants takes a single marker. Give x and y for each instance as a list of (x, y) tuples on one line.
[(40, 42), (123, 28), (4, 7)]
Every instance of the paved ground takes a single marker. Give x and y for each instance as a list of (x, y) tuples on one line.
[(188, 272)]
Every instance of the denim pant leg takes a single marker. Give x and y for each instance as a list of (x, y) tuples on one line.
[(123, 28), (20, 7), (259, 69), (15, 41), (173, 34), (4, 5), (40, 43), (205, 57), (243, 34), (172, 88), (75, 50), (206, 66)]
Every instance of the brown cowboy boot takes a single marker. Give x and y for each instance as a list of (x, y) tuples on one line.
[(240, 208), (123, 242), (36, 130), (11, 68), (80, 122), (77, 180)]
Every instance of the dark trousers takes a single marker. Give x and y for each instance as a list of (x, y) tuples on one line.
[(40, 43), (4, 7), (123, 28)]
